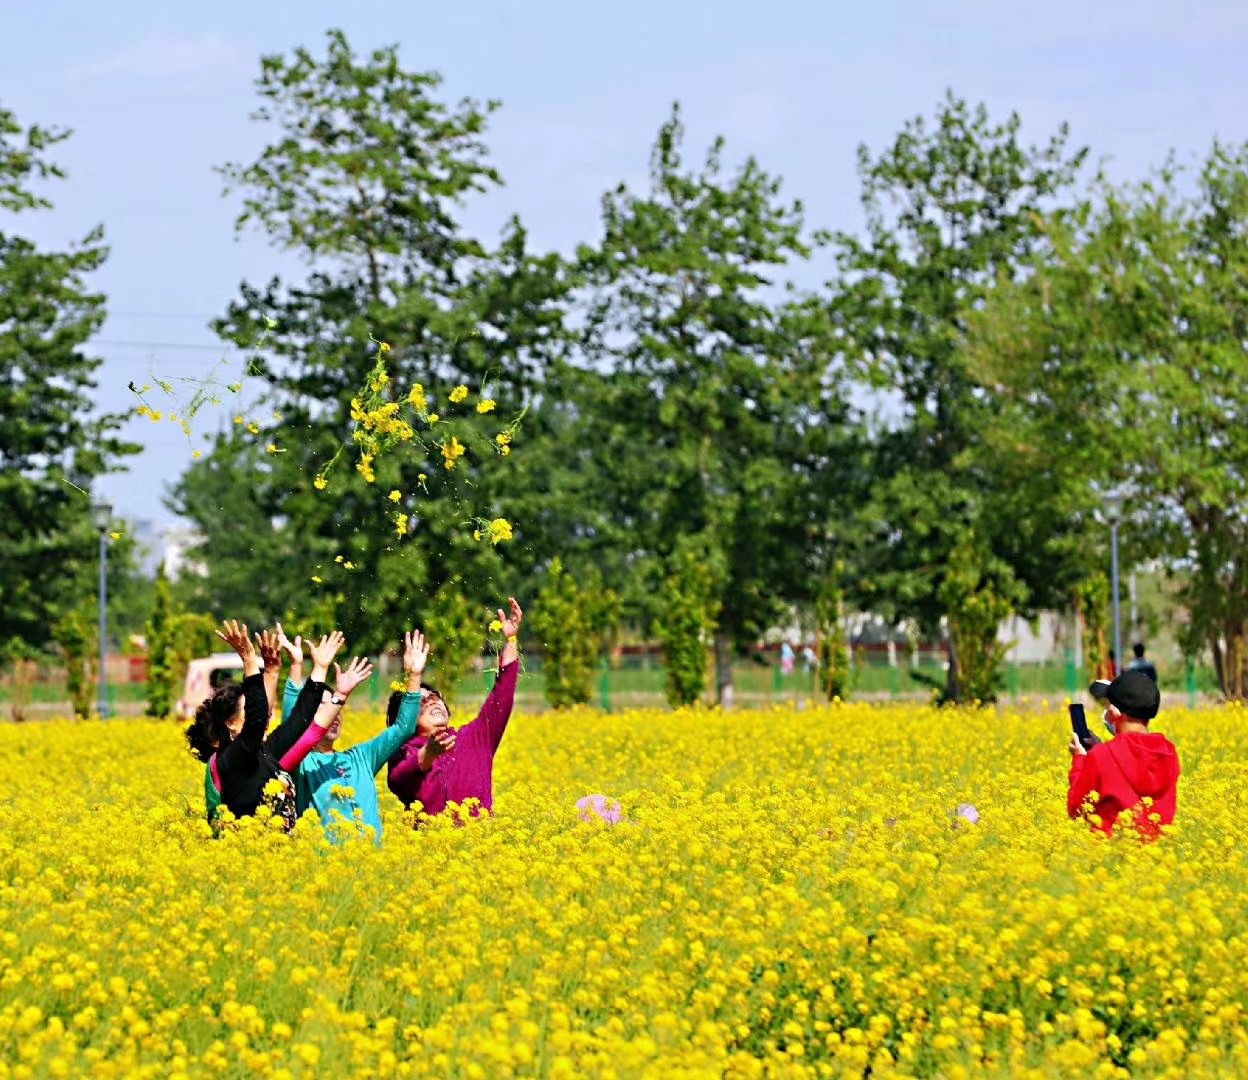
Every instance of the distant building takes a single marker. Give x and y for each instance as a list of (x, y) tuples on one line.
[(150, 546), (177, 543)]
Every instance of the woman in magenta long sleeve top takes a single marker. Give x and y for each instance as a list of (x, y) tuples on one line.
[(437, 766)]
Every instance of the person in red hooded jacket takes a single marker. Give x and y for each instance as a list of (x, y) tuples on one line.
[(1137, 770)]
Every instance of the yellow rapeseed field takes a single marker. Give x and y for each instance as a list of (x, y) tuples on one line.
[(792, 894)]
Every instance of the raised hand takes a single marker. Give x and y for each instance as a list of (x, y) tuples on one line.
[(356, 672), (415, 657), (512, 619), (294, 649), (270, 649), (235, 634), (323, 653), (441, 741)]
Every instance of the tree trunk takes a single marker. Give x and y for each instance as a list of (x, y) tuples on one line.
[(723, 669)]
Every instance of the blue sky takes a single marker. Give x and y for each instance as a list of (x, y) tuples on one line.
[(158, 94)]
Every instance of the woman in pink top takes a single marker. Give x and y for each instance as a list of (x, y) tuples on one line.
[(439, 766)]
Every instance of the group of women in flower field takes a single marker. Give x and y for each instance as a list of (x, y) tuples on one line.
[(298, 766)]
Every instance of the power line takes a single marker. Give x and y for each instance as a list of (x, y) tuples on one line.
[(186, 345), (126, 314)]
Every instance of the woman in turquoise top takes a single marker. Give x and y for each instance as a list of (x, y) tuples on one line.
[(341, 784)]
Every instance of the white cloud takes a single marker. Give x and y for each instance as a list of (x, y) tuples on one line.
[(169, 57)]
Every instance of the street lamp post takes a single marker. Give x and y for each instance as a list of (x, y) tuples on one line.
[(1113, 511), (102, 516)]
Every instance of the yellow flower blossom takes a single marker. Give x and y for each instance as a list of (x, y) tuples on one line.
[(316, 579), (395, 495), (458, 394), (495, 626), (433, 418), (451, 452), (320, 483), (416, 397), (485, 405), (365, 468), (238, 420), (400, 525), (254, 428), (500, 530)]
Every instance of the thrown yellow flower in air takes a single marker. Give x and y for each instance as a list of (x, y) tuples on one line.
[(452, 452), (320, 483), (458, 394), (254, 428), (485, 405), (316, 579), (272, 449), (115, 535), (235, 387), (238, 419), (197, 454), (400, 525), (337, 558), (395, 495), (397, 686), (500, 530), (495, 626)]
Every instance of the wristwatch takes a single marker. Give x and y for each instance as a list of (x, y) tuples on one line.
[(334, 699)]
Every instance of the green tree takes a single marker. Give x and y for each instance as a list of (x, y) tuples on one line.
[(456, 632), (573, 617), (979, 593), (707, 394), (1125, 349), (76, 634), (364, 177), (687, 621), (953, 207), (52, 445), (163, 681), (832, 652)]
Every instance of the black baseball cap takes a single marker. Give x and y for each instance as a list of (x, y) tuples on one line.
[(1133, 694)]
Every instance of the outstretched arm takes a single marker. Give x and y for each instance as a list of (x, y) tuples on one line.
[(1084, 779), (379, 750), (243, 751), (296, 724), (496, 712), (510, 622), (271, 657)]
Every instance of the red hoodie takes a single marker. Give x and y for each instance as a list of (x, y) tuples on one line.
[(1128, 768)]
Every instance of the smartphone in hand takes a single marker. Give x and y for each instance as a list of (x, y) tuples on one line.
[(1079, 725)]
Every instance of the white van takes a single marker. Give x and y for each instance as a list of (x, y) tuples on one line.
[(203, 676)]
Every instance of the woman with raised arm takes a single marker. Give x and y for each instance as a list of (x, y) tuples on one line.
[(341, 784), (439, 766), (228, 732)]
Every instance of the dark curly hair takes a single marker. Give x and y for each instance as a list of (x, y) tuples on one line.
[(209, 731)]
